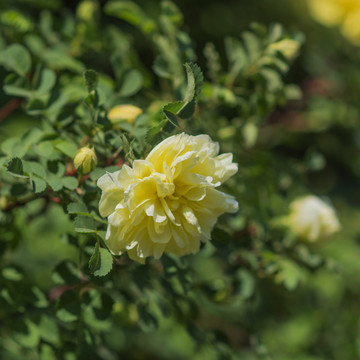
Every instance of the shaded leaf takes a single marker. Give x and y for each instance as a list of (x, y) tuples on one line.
[(85, 224), (39, 185), (12, 274), (45, 81), (76, 208), (15, 167), (15, 57), (101, 261), (66, 148), (131, 84), (195, 79), (70, 182), (91, 79), (154, 131)]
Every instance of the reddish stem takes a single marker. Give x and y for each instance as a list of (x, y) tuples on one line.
[(9, 108)]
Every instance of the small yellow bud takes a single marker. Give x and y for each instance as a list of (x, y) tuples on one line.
[(3, 202), (87, 10), (288, 47), (124, 113), (85, 160), (226, 132)]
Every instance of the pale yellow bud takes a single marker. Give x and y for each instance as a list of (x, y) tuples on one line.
[(312, 219), (3, 202), (124, 113), (87, 10), (288, 47), (85, 160), (226, 132)]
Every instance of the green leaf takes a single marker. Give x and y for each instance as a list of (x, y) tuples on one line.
[(47, 352), (32, 136), (44, 149), (171, 117), (39, 185), (161, 67), (247, 283), (91, 79), (293, 92), (66, 273), (100, 263), (132, 13), (45, 82), (172, 12), (14, 147), (66, 148), (174, 107), (96, 173), (17, 91), (274, 81), (55, 183), (69, 307), (49, 330), (132, 83), (15, 57), (290, 274), (85, 224), (170, 111), (187, 111), (36, 106), (70, 182), (147, 321), (195, 80), (40, 299), (12, 274), (15, 167), (29, 336), (154, 131), (66, 316), (128, 147), (16, 20), (34, 167), (252, 44), (76, 208)]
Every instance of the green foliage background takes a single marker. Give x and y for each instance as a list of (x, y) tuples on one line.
[(292, 124)]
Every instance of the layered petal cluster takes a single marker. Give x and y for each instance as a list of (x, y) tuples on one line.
[(342, 13), (312, 219), (168, 202)]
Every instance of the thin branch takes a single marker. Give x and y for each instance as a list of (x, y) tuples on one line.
[(9, 108)]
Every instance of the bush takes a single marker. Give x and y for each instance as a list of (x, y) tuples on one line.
[(188, 255)]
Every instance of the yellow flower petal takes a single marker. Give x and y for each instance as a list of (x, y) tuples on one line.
[(343, 13), (169, 201)]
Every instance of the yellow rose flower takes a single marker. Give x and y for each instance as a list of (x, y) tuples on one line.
[(342, 13), (124, 113), (312, 219), (169, 201), (85, 160)]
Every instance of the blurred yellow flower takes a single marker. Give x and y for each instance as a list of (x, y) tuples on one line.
[(124, 113), (85, 160), (312, 219), (342, 13), (169, 201)]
